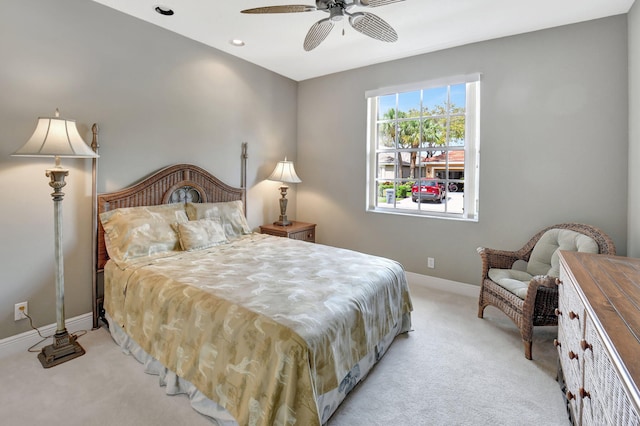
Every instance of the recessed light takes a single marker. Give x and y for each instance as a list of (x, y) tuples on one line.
[(237, 42), (163, 10)]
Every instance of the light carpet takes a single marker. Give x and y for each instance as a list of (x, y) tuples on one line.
[(453, 369)]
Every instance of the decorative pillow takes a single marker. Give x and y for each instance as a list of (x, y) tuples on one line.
[(544, 259), (200, 234), (520, 265), (133, 232), (230, 214)]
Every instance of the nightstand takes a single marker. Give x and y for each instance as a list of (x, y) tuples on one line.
[(296, 231)]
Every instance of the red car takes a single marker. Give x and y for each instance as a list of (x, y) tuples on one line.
[(430, 190)]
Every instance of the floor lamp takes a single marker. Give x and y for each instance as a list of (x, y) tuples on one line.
[(285, 173), (57, 137)]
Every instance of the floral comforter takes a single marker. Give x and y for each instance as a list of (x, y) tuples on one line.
[(270, 328)]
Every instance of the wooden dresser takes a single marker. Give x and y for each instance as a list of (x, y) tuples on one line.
[(297, 231), (599, 338)]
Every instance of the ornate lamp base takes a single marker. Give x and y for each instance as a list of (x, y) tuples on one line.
[(64, 348), (283, 221)]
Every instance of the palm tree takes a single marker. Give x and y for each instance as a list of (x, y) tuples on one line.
[(428, 130)]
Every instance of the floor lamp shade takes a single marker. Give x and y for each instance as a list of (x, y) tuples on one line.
[(285, 173), (57, 137)]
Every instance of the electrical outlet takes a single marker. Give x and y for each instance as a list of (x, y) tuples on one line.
[(431, 262), (20, 309)]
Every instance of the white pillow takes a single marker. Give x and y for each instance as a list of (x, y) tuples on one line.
[(133, 232), (545, 260), (200, 234), (230, 215)]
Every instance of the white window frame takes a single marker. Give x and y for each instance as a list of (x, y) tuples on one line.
[(471, 148)]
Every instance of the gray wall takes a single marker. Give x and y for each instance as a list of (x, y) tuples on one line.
[(158, 98), (554, 145), (634, 131)]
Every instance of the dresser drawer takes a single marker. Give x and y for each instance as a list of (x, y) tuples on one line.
[(612, 406), (304, 235), (571, 370), (570, 308)]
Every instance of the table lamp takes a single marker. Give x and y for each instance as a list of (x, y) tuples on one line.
[(285, 173)]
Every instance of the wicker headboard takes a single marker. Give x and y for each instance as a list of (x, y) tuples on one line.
[(179, 183)]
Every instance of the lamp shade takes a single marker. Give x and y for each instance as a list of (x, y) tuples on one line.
[(285, 172), (56, 137)]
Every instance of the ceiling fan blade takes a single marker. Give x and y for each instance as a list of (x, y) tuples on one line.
[(376, 3), (291, 8), (317, 33), (373, 26)]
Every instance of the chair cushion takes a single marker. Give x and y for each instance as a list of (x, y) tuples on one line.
[(520, 265), (544, 258), (512, 280)]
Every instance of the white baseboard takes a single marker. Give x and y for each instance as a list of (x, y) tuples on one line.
[(443, 284), (23, 341)]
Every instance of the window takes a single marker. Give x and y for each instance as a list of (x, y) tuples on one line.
[(423, 148)]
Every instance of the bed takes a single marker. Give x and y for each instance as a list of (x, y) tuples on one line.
[(256, 329)]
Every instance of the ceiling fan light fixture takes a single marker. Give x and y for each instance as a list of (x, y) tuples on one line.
[(336, 14), (365, 23)]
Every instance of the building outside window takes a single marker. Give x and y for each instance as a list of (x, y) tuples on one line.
[(423, 148)]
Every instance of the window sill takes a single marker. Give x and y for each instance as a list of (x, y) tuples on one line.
[(424, 214)]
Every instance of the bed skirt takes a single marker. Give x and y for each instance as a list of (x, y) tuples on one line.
[(175, 385)]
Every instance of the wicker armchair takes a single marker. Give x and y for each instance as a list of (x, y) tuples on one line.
[(538, 306)]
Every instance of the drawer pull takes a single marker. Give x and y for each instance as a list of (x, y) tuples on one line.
[(584, 394), (570, 396), (584, 345), (558, 312), (573, 315), (573, 355), (556, 343)]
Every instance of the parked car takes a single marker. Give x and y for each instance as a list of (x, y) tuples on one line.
[(456, 187), (429, 190)]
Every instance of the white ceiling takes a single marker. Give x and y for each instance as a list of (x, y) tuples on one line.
[(274, 41)]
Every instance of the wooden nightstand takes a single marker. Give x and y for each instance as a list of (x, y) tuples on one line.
[(297, 231)]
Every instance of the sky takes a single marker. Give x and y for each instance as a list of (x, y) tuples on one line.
[(431, 98)]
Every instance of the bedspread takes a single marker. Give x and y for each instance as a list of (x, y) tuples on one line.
[(264, 325)]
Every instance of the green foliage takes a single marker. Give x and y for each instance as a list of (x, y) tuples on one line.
[(428, 129), (401, 190), (412, 129)]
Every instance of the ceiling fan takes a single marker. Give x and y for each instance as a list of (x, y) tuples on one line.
[(366, 23)]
